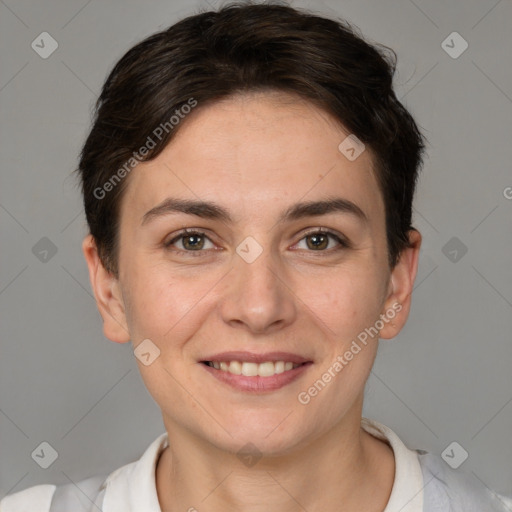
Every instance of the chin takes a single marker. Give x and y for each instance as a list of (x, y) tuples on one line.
[(270, 432)]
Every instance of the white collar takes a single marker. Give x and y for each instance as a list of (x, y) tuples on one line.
[(132, 488), (407, 490)]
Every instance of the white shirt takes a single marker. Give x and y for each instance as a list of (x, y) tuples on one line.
[(423, 483)]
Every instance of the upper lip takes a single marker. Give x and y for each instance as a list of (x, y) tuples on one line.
[(257, 358)]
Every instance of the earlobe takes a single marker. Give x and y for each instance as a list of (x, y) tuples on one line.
[(398, 301), (107, 294)]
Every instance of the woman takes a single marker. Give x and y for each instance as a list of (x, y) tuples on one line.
[(248, 185)]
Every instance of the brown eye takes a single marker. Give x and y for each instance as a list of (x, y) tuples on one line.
[(193, 242), (320, 241), (317, 241), (189, 242)]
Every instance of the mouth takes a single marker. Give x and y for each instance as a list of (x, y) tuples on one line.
[(247, 371)]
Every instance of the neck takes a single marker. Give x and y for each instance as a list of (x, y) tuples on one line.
[(344, 470)]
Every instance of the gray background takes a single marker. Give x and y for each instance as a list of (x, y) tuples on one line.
[(447, 377)]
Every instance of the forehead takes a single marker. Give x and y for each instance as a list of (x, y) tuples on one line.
[(254, 153)]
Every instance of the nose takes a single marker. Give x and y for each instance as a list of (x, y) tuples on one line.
[(258, 296)]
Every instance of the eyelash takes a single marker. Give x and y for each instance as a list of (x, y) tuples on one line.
[(190, 232)]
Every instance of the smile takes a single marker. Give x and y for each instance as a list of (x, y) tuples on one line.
[(255, 373), (251, 369)]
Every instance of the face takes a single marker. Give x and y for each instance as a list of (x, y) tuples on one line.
[(258, 278)]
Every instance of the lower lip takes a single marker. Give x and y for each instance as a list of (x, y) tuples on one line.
[(257, 384)]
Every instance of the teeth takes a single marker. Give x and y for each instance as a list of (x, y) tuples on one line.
[(279, 366), (249, 369), (266, 369), (235, 367)]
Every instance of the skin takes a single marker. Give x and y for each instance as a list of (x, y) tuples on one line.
[(255, 155)]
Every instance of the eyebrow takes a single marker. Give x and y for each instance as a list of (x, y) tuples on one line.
[(209, 210)]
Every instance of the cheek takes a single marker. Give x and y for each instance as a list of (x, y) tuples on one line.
[(165, 305), (346, 301)]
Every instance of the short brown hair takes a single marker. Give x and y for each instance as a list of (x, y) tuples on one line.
[(249, 47)]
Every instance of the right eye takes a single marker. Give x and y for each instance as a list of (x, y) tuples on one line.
[(192, 241)]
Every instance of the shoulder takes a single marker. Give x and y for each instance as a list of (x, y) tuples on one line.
[(38, 497), (134, 479), (454, 490), (79, 497), (433, 484)]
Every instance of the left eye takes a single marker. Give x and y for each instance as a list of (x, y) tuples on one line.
[(319, 240), (192, 241)]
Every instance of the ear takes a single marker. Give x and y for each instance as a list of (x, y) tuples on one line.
[(401, 283), (107, 293)]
